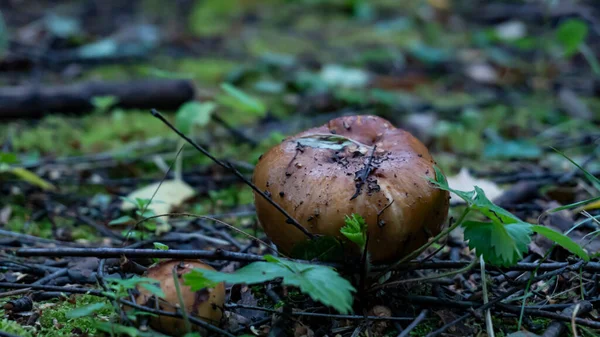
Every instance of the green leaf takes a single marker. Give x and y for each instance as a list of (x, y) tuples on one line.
[(321, 283), (322, 248), (193, 114), (160, 246), (153, 289), (8, 158), (574, 205), (500, 245), (104, 103), (121, 220), (501, 242), (250, 103), (571, 34), (355, 229), (477, 200), (86, 310), (562, 240)]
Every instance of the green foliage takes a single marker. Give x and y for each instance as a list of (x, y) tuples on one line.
[(571, 34), (321, 283), (355, 230), (12, 327), (87, 324), (86, 310), (499, 244), (104, 103), (8, 158), (119, 287), (241, 100), (502, 241), (194, 114), (562, 240), (160, 246)]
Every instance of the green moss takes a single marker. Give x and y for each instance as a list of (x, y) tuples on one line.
[(64, 136), (424, 328), (15, 328), (84, 324), (19, 224), (210, 71)]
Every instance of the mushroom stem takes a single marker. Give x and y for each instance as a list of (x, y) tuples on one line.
[(230, 166), (425, 246)]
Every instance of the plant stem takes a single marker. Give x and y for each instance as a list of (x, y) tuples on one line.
[(182, 306), (431, 277), (488, 314)]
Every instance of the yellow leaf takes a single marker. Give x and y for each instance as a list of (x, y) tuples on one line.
[(32, 178), (588, 207), (170, 193)]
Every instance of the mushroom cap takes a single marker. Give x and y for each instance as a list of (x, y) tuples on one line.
[(205, 304), (314, 179)]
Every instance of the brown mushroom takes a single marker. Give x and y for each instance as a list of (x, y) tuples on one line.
[(352, 164), (205, 304)]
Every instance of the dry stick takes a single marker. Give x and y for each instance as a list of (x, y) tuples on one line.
[(315, 314), (230, 166), (496, 300), (217, 254), (429, 277), (58, 273), (521, 266), (414, 324), (204, 217), (564, 317)]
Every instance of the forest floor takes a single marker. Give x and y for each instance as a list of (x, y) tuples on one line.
[(505, 95)]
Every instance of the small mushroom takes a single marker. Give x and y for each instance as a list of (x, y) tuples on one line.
[(352, 164), (205, 304)]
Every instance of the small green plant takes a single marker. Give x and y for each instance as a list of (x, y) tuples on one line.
[(143, 212), (502, 239)]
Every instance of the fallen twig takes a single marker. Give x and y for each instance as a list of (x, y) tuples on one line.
[(34, 102)]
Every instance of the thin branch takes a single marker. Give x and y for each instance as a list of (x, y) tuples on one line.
[(417, 321), (314, 314), (230, 166)]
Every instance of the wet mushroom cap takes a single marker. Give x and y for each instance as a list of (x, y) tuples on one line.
[(352, 164), (205, 304)]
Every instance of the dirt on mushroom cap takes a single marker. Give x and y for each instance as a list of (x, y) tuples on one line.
[(352, 164)]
